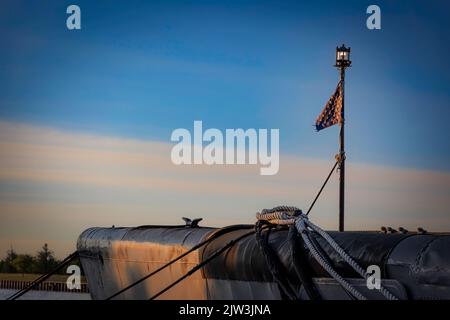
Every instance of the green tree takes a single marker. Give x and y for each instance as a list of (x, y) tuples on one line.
[(8, 265), (45, 260), (23, 263)]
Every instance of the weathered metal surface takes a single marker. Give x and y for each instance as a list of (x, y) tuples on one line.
[(112, 258), (422, 264)]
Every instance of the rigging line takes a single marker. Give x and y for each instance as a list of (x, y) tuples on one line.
[(44, 277), (159, 269), (323, 186), (201, 264)]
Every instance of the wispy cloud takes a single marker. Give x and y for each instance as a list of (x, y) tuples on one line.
[(55, 183)]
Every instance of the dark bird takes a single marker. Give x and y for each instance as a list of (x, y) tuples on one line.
[(402, 230), (383, 229), (192, 223), (391, 230), (421, 230)]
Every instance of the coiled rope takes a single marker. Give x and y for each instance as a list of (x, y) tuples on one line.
[(281, 215)]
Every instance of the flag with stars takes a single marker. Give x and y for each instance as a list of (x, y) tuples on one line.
[(332, 113)]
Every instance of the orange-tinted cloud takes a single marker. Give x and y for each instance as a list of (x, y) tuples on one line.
[(56, 183)]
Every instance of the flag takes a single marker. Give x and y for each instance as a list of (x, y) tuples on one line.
[(332, 113)]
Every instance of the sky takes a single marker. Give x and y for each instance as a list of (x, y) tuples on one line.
[(86, 115)]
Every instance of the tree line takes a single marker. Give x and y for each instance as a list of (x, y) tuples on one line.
[(43, 262)]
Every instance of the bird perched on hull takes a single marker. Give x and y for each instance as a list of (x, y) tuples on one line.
[(192, 223), (391, 230)]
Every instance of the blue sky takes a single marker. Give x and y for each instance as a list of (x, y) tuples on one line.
[(86, 116), (143, 68)]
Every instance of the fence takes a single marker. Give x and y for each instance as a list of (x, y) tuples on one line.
[(44, 286)]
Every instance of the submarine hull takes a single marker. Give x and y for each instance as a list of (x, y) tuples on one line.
[(412, 266)]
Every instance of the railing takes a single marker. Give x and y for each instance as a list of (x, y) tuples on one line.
[(44, 286)]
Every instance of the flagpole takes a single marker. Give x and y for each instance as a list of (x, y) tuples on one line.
[(332, 114), (342, 62), (342, 156)]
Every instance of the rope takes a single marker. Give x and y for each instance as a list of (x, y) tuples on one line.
[(302, 223), (44, 277), (323, 186), (273, 263), (201, 264), (281, 215), (291, 215), (301, 266), (215, 235), (286, 215), (347, 257), (301, 227)]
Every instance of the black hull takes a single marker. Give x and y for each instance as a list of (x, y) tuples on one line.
[(413, 266)]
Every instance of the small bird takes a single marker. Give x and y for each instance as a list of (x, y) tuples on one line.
[(192, 223), (391, 230), (421, 230), (402, 230)]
